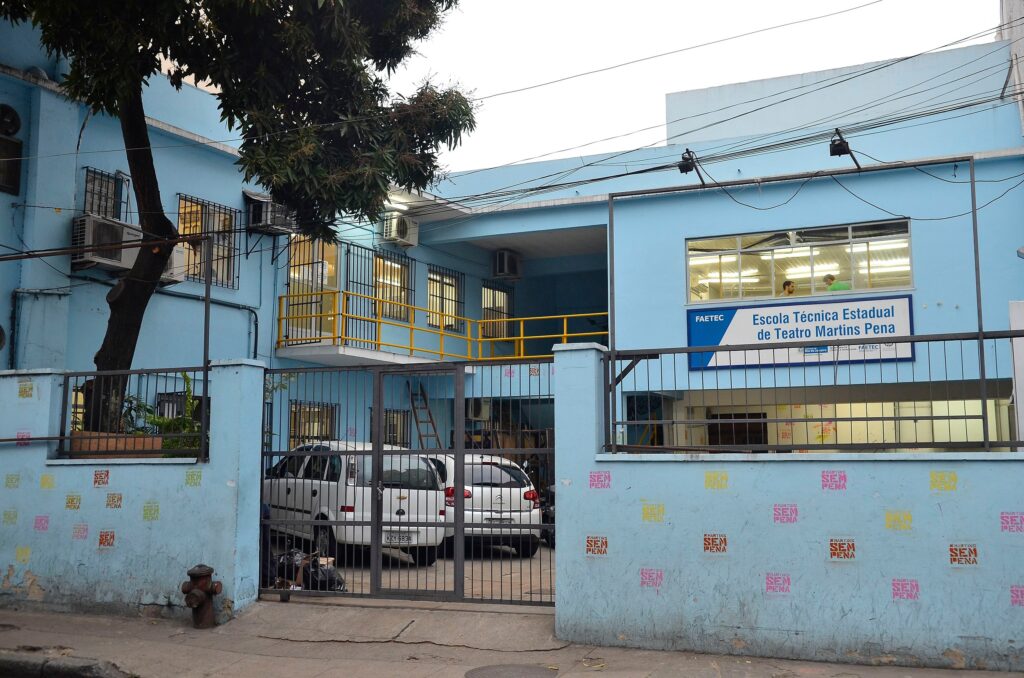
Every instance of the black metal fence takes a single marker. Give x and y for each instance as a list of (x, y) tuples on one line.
[(949, 392), (427, 481), (135, 413)]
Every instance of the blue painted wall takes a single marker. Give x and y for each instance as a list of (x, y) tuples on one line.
[(736, 556), (119, 535)]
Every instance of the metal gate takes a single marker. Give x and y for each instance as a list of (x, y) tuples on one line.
[(428, 481)]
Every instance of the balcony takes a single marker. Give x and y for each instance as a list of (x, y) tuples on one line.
[(348, 328)]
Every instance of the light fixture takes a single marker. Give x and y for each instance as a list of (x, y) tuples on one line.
[(396, 206), (840, 146), (878, 246), (898, 268), (790, 253), (805, 272), (688, 163), (711, 260), (728, 279)]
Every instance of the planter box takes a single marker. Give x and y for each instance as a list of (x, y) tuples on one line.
[(90, 442)]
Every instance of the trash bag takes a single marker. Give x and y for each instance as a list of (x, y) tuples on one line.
[(323, 578), (291, 563)]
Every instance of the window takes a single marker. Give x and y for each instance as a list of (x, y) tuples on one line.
[(199, 216), (496, 305), (391, 283), (396, 427), (401, 472), (310, 422), (10, 165), (445, 305), (815, 261), (106, 194)]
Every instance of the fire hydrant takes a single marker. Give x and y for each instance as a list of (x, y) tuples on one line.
[(199, 592)]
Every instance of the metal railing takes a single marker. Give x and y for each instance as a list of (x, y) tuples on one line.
[(345, 318), (940, 392), (135, 413)]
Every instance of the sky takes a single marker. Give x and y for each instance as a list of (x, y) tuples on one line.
[(491, 46)]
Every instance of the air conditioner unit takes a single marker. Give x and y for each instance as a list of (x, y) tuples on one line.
[(270, 218), (174, 272), (400, 229), (478, 409), (92, 232), (507, 264)]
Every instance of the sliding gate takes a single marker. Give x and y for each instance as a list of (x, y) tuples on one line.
[(428, 481)]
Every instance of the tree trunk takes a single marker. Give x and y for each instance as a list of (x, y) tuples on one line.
[(130, 296)]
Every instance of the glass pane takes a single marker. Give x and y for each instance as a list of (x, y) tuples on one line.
[(885, 230), (792, 264), (834, 234), (885, 263), (765, 240), (710, 246), (756, 275), (832, 271), (714, 277)]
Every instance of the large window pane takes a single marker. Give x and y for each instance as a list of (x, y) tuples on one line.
[(755, 276), (885, 263), (832, 272), (792, 264), (714, 277)]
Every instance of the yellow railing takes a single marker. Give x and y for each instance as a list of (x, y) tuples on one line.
[(342, 318)]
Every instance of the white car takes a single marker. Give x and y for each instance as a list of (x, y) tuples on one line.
[(320, 485), (497, 493)]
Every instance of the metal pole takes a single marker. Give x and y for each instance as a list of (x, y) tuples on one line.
[(459, 452), (377, 487), (982, 385), (208, 284), (609, 394)]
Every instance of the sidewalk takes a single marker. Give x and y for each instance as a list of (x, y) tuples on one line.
[(310, 638)]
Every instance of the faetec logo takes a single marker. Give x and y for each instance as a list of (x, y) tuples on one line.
[(709, 318)]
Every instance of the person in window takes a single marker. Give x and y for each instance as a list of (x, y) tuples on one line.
[(788, 288), (833, 285)]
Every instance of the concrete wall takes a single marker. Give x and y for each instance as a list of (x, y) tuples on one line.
[(742, 557), (118, 535)]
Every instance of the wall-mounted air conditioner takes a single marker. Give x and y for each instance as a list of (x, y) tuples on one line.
[(93, 232), (401, 229), (270, 218), (507, 264), (174, 272), (478, 409)]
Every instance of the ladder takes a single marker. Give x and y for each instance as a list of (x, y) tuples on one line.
[(423, 417)]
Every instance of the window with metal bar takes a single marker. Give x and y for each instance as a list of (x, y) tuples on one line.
[(106, 194), (392, 283), (10, 165), (310, 422), (496, 304), (802, 262), (197, 216), (445, 298), (396, 428)]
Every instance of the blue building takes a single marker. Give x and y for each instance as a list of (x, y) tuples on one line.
[(790, 404)]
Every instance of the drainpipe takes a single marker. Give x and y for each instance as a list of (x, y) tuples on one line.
[(216, 302), (12, 349)]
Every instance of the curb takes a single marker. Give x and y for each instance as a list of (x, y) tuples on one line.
[(17, 665)]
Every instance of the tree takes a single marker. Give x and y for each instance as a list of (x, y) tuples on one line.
[(304, 82)]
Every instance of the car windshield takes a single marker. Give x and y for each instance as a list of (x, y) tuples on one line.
[(496, 475)]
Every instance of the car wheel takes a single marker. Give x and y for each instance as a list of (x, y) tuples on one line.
[(528, 547), (424, 556)]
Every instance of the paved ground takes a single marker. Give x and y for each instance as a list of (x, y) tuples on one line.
[(497, 574), (377, 638)]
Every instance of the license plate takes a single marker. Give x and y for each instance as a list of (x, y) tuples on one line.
[(398, 537), (503, 521)]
